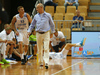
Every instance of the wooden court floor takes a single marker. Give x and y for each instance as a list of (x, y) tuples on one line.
[(68, 66)]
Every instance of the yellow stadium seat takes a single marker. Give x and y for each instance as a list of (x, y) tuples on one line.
[(69, 16), (60, 9), (84, 0), (61, 2), (66, 32), (68, 24), (55, 1), (84, 3), (83, 9), (50, 9), (58, 16), (71, 9), (83, 15)]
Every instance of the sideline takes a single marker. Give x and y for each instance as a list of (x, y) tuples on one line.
[(67, 67)]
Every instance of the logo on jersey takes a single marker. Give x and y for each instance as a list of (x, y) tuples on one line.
[(22, 21)]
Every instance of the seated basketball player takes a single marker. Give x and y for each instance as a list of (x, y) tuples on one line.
[(10, 42), (3, 42), (65, 50)]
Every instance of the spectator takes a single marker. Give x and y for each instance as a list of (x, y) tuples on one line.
[(71, 3), (57, 41), (32, 37), (77, 20), (50, 3)]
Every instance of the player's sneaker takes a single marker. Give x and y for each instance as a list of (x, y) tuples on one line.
[(25, 58), (29, 57), (81, 43), (5, 61), (22, 62), (46, 66), (1, 63)]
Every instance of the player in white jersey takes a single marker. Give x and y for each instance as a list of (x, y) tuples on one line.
[(3, 42), (10, 43), (64, 52), (20, 26)]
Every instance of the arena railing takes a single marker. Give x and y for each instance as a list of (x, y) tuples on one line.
[(65, 27)]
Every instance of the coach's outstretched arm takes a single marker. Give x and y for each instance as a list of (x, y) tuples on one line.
[(31, 26)]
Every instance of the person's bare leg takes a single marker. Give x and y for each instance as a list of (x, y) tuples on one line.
[(21, 50), (69, 45), (35, 49), (11, 50), (16, 53), (25, 49), (66, 49), (7, 49), (25, 52)]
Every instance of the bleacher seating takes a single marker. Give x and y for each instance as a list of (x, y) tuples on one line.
[(84, 3), (71, 9), (83, 15), (61, 2), (58, 16), (50, 9), (68, 16), (66, 32), (83, 9), (60, 9)]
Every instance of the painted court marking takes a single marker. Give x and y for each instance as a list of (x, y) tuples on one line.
[(68, 67)]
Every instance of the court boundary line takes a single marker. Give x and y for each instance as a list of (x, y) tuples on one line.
[(68, 67)]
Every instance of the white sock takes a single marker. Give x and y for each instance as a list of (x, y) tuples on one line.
[(10, 55), (5, 56), (22, 56), (78, 43), (24, 53)]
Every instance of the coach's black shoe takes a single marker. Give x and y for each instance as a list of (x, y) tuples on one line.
[(46, 66), (41, 65), (22, 62)]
